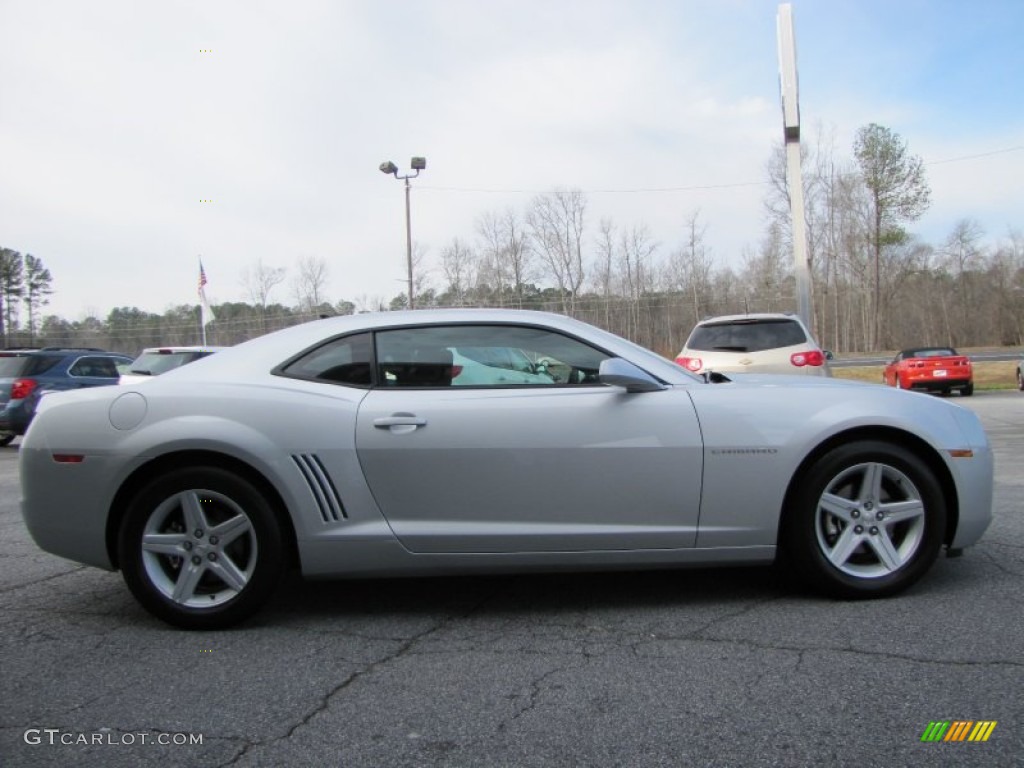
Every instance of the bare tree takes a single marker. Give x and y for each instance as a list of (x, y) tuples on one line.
[(963, 254), (310, 283), (457, 263), (493, 268), (635, 252), (258, 281), (767, 270), (691, 266), (517, 254), (604, 275), (557, 228)]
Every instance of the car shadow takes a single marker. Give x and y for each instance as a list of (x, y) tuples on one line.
[(506, 595)]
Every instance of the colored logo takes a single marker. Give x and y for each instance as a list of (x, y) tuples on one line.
[(958, 730)]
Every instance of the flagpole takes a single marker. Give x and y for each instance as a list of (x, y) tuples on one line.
[(202, 297), (206, 315)]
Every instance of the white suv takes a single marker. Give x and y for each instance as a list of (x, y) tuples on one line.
[(758, 343)]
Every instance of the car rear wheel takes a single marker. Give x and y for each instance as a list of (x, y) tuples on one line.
[(201, 548), (6, 438), (967, 391), (867, 521), (1020, 380)]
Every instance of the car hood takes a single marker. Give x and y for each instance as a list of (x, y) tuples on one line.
[(784, 380)]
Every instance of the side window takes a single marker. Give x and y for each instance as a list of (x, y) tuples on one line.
[(484, 356), (340, 361), (102, 367), (40, 364)]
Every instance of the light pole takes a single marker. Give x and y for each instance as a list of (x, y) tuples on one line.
[(418, 164)]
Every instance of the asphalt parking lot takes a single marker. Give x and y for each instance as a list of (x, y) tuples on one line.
[(682, 668)]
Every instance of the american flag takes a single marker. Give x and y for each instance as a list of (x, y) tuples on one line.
[(204, 306)]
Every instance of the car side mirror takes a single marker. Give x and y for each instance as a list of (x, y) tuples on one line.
[(621, 373)]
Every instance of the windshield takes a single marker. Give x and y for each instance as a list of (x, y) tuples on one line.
[(155, 363)]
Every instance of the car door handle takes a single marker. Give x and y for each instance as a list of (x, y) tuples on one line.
[(399, 420)]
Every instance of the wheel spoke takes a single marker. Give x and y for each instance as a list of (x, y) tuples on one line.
[(229, 573), (900, 511), (840, 553), (192, 509), (231, 529), (188, 580), (164, 543), (871, 483), (884, 549), (838, 506)]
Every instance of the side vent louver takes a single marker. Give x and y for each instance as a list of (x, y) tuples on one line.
[(326, 495)]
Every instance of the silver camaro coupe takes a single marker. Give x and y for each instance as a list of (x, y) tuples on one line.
[(349, 447)]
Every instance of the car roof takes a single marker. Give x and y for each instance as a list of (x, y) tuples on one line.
[(57, 351), (254, 355), (172, 349), (753, 317)]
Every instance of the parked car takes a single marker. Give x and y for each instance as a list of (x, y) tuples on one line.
[(756, 343), (26, 375), (934, 369), (156, 360), (1020, 375), (347, 447)]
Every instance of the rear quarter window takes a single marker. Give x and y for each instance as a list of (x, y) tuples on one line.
[(27, 365), (341, 361)]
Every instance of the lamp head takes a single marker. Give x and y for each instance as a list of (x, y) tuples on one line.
[(418, 163), (388, 167)]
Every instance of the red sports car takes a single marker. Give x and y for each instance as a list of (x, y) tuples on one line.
[(936, 369)]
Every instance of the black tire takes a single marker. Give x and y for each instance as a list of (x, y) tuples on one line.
[(967, 391), (230, 575), (1020, 380), (6, 439), (847, 557)]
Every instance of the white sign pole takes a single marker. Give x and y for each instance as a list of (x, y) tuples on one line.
[(794, 173)]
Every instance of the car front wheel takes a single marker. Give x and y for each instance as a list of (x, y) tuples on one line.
[(868, 521), (201, 548)]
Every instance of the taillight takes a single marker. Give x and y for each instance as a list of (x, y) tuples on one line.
[(690, 363), (22, 388), (815, 357)]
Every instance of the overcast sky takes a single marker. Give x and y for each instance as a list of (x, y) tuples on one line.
[(118, 118)]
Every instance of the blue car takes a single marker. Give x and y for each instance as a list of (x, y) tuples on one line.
[(26, 375)]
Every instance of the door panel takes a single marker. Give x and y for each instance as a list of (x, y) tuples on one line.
[(533, 469)]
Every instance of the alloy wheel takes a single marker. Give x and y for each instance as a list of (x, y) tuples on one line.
[(870, 520)]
